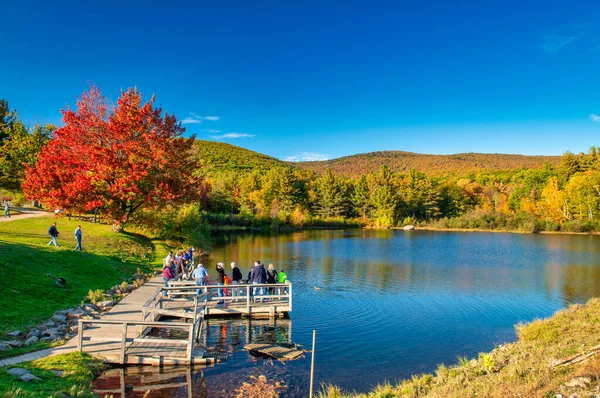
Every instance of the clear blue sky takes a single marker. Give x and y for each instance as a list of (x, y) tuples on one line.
[(301, 79)]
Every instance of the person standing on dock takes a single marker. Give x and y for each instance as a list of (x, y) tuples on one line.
[(258, 275), (282, 278), (221, 280), (200, 275), (272, 277), (167, 276), (78, 236), (236, 279), (53, 234)]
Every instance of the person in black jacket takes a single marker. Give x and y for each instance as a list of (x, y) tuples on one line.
[(272, 277), (53, 234), (258, 275), (236, 279), (220, 280)]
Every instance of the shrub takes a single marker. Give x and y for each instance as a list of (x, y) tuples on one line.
[(95, 296)]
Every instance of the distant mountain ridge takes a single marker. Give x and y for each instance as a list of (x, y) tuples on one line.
[(219, 157), (401, 162)]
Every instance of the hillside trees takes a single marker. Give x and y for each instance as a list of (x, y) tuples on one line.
[(331, 198), (115, 160), (19, 148)]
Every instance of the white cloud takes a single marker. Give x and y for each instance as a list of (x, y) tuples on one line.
[(191, 120), (306, 157), (594, 117), (211, 131), (552, 43), (194, 118), (231, 135)]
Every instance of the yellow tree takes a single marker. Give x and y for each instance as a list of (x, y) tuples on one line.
[(554, 204)]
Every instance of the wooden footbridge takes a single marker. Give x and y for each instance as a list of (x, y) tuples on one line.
[(159, 325)]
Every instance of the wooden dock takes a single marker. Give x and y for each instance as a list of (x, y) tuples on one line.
[(164, 325)]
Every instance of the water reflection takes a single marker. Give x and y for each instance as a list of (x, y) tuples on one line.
[(390, 304), (226, 339)]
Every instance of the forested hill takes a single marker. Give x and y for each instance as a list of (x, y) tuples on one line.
[(218, 157), (402, 162)]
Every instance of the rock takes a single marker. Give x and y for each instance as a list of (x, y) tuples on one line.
[(15, 333), (131, 288), (31, 340), (59, 318), (409, 228), (17, 371), (46, 338), (5, 347), (91, 308), (110, 292), (123, 278), (13, 343), (63, 312), (29, 377), (579, 382), (34, 332), (57, 372), (107, 303), (76, 313), (49, 324)]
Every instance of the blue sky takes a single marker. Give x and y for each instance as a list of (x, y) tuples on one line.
[(312, 80)]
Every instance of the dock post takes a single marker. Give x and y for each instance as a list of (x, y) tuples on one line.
[(248, 299), (123, 343), (80, 336), (312, 364)]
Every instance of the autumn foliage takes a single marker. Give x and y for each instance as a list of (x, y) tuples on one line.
[(114, 160)]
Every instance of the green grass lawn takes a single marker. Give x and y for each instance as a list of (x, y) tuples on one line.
[(28, 267), (79, 372)]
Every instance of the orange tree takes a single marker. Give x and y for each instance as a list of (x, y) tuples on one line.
[(113, 160)]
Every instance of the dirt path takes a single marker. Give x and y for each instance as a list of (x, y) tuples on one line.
[(24, 212)]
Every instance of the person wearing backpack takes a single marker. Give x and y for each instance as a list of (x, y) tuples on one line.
[(53, 234)]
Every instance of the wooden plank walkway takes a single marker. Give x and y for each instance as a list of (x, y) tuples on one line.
[(120, 336), (129, 308)]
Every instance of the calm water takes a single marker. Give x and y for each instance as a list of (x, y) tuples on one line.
[(389, 303)]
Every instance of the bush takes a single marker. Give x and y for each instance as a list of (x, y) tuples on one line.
[(95, 296)]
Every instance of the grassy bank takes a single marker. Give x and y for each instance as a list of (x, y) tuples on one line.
[(29, 267), (525, 368), (68, 375)]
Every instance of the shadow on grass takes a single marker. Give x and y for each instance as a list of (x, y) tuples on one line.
[(28, 281)]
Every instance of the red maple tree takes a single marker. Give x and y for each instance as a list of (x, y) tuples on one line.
[(115, 161)]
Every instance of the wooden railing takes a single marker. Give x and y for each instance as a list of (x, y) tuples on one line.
[(190, 327), (246, 292)]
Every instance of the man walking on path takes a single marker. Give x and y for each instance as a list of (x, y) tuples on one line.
[(53, 234), (6, 210), (78, 235)]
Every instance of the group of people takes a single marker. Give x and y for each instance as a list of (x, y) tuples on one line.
[(53, 234), (178, 267)]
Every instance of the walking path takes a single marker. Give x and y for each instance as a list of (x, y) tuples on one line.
[(127, 309), (24, 212)]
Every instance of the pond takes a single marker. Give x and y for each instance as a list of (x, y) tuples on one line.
[(386, 304)]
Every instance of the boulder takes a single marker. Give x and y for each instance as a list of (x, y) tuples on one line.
[(14, 343), (110, 292), (91, 308), (34, 332), (131, 288), (17, 371), (75, 313), (57, 372), (15, 333), (59, 318), (5, 347), (49, 324), (107, 303), (31, 340), (46, 338), (409, 228), (29, 377)]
